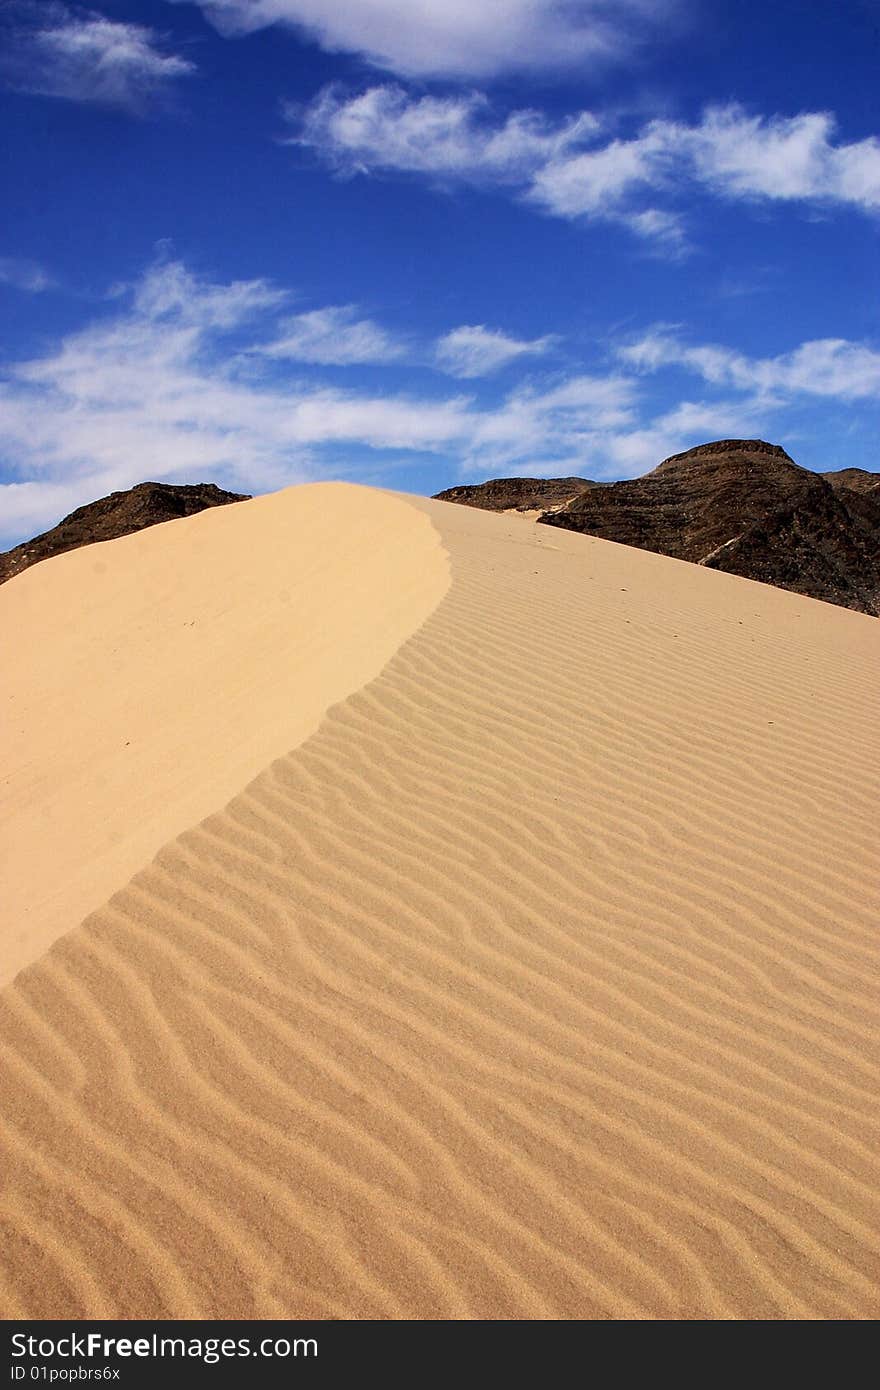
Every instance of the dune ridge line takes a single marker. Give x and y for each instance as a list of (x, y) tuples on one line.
[(148, 678)]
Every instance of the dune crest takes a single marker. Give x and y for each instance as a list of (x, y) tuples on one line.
[(148, 678), (540, 981)]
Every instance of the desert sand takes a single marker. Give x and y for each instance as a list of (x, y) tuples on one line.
[(418, 912), (150, 678)]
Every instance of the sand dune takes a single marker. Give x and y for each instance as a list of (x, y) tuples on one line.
[(540, 980), (150, 678)]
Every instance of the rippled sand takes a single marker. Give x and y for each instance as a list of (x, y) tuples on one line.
[(485, 928)]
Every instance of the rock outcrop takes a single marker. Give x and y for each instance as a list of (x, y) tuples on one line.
[(856, 479), (738, 505), (517, 494), (147, 504)]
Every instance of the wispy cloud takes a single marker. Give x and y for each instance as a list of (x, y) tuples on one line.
[(728, 153), (23, 274), (181, 381), (781, 158), (573, 168), (333, 336), (543, 429), (457, 38), (79, 55), (161, 389), (454, 137), (457, 139), (829, 367), (169, 294), (474, 350)]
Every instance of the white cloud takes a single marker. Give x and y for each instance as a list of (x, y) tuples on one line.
[(608, 184), (161, 390), (474, 350), (163, 387), (333, 337), (830, 367), (24, 275), (571, 169), (543, 431), (729, 153), (598, 428), (80, 55), (170, 292), (630, 453), (456, 139), (455, 38), (588, 183), (444, 137), (743, 156)]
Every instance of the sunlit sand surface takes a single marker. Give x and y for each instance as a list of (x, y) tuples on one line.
[(461, 918)]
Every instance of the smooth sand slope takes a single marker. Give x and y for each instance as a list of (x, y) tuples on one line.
[(148, 679), (541, 980)]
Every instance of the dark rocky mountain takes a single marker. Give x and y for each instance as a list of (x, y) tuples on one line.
[(517, 494), (745, 507), (120, 514), (693, 502), (857, 479)]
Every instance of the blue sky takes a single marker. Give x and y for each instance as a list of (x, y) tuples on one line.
[(261, 242)]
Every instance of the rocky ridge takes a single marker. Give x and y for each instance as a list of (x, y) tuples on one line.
[(119, 514)]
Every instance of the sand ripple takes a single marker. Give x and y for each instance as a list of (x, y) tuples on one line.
[(541, 981)]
